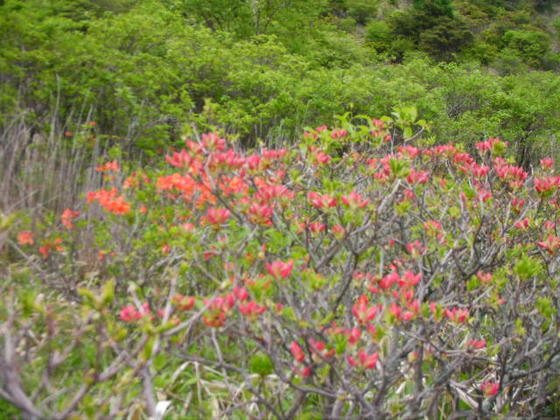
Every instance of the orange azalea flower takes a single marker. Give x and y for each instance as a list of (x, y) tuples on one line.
[(67, 216), (109, 166), (54, 244), (109, 201), (44, 250), (119, 206), (134, 180), (234, 185), (25, 238)]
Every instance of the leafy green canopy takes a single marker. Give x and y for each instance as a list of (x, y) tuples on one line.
[(146, 88)]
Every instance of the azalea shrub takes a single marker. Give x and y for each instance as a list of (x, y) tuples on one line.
[(346, 276)]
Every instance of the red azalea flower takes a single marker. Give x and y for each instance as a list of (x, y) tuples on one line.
[(280, 269)]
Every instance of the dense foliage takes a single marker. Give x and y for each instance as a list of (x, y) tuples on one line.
[(145, 71)]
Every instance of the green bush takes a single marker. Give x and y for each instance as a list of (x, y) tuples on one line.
[(449, 36), (362, 10), (532, 46), (378, 32), (481, 52), (437, 8)]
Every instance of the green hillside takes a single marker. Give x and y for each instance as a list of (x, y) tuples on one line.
[(146, 71)]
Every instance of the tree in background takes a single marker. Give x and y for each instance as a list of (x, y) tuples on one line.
[(432, 26), (435, 7)]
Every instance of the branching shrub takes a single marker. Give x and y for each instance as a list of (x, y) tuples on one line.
[(342, 277)]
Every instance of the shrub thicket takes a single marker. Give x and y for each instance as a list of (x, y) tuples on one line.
[(343, 277)]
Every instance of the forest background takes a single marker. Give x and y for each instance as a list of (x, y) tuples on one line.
[(146, 71)]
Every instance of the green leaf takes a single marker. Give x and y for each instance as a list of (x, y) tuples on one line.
[(108, 292), (261, 364), (527, 267), (288, 313)]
